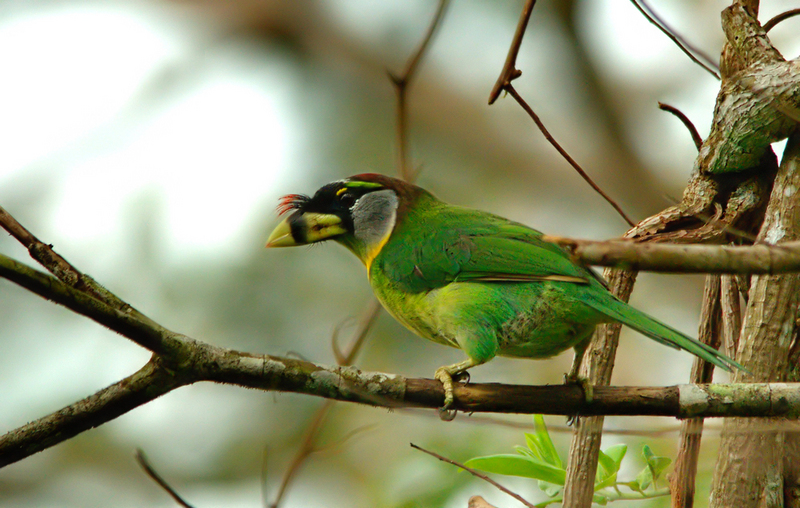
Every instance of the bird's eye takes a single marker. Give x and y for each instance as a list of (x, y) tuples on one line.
[(347, 199)]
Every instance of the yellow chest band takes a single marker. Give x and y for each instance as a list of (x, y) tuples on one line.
[(374, 251)]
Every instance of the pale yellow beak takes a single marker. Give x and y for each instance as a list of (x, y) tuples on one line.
[(305, 228), (281, 236)]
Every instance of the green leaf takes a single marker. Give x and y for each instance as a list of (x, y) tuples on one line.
[(550, 489), (527, 452), (609, 462), (547, 449), (644, 479), (606, 469), (616, 453), (655, 464), (516, 465), (647, 453), (534, 449)]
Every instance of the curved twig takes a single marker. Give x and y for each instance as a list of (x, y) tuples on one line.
[(510, 72), (401, 84), (769, 25), (698, 140)]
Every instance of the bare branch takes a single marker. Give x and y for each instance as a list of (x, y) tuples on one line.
[(769, 25), (147, 384), (698, 140), (513, 92), (145, 464), (307, 447), (145, 333), (510, 72), (270, 373), (684, 46), (402, 83), (685, 258), (685, 470), (57, 265), (476, 474)]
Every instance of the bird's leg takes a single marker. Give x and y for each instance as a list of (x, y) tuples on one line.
[(574, 373), (445, 376)]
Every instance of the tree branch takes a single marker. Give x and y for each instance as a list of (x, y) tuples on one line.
[(681, 42), (147, 384), (685, 258)]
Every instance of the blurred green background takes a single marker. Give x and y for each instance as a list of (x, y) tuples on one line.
[(149, 142)]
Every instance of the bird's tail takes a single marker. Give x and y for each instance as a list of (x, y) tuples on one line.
[(659, 332)]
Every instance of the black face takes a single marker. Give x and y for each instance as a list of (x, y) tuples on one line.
[(335, 198)]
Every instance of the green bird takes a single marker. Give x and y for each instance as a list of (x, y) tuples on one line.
[(466, 278)]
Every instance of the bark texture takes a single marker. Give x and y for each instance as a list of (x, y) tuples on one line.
[(750, 466)]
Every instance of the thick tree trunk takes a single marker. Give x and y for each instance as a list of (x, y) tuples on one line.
[(750, 466)]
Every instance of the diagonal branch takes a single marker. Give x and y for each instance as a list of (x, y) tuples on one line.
[(145, 385), (145, 333), (510, 73), (684, 46), (476, 474), (549, 137)]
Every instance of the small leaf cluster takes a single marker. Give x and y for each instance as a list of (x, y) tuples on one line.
[(540, 461)]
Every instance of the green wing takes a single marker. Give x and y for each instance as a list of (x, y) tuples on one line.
[(470, 245)]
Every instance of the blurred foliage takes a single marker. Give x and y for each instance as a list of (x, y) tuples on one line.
[(324, 65)]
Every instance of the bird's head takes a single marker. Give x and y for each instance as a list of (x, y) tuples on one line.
[(359, 212)]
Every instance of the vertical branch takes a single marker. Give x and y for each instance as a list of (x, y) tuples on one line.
[(402, 83), (685, 471), (597, 366), (731, 314)]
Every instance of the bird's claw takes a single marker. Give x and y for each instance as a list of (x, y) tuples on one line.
[(445, 412), (586, 387)]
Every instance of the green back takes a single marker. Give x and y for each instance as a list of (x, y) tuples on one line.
[(435, 244)]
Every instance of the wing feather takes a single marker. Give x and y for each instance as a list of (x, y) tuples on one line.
[(470, 245)]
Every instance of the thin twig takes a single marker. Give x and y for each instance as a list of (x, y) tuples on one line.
[(475, 473), (365, 325), (684, 46), (698, 140), (769, 25), (307, 447), (513, 92), (142, 460), (510, 72), (402, 83)]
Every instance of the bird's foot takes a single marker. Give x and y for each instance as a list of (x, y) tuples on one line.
[(586, 387), (445, 412)]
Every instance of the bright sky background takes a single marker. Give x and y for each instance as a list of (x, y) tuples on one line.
[(209, 152)]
